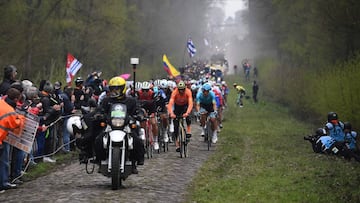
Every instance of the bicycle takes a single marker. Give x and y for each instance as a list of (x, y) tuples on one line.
[(183, 140), (208, 131), (149, 139)]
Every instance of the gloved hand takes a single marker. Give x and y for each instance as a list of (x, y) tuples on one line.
[(215, 112), (197, 113), (172, 115)]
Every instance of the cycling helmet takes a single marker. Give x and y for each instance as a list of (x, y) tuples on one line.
[(79, 81), (234, 84), (181, 85), (117, 87), (347, 125), (157, 83), (163, 84), (332, 116), (206, 87), (145, 85), (138, 86), (193, 87)]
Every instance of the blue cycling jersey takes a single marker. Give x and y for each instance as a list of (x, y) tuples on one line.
[(202, 99), (350, 138)]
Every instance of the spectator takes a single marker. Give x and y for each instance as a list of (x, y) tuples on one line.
[(13, 122), (34, 106), (10, 73), (51, 111), (241, 92), (255, 89), (67, 111), (255, 72)]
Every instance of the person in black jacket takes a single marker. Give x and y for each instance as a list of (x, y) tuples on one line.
[(51, 111), (10, 73)]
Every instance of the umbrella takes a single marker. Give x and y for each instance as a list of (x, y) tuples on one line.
[(125, 76)]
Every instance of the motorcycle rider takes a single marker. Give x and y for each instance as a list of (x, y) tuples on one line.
[(117, 94)]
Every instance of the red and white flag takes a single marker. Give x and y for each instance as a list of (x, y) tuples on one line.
[(72, 67)]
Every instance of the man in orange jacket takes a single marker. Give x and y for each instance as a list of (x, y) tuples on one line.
[(9, 121)]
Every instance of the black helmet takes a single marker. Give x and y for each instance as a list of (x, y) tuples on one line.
[(332, 116), (347, 125), (320, 132), (79, 81)]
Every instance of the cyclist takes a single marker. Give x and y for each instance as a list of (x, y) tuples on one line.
[(181, 104), (146, 98), (206, 102), (219, 102), (225, 91), (160, 102)]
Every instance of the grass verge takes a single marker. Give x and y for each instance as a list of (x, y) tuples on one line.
[(261, 156), (42, 168)]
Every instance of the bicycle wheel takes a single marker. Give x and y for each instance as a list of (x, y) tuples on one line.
[(209, 133), (160, 137), (185, 146), (181, 140), (149, 140), (147, 146)]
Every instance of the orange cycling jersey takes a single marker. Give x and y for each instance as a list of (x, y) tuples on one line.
[(181, 99)]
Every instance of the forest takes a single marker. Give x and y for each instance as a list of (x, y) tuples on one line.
[(308, 55), (307, 52)]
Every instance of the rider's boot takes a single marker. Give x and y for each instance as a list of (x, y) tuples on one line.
[(202, 132), (166, 137), (133, 168)]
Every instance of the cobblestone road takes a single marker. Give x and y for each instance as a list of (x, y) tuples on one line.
[(163, 178)]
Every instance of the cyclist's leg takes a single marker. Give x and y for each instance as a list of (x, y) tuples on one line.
[(203, 117), (178, 112), (164, 125), (176, 131), (213, 119), (188, 124), (219, 116)]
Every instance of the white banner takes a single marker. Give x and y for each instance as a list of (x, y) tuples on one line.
[(24, 141)]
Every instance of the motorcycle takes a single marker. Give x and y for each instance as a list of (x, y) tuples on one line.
[(115, 142)]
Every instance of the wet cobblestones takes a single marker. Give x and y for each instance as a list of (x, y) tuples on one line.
[(163, 178)]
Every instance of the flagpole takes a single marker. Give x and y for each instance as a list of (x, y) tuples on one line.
[(185, 52)]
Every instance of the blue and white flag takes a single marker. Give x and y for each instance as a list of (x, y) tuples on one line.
[(191, 48)]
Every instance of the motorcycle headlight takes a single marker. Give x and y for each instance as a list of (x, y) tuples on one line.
[(117, 122)]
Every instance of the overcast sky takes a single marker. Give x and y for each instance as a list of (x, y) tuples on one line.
[(231, 6)]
